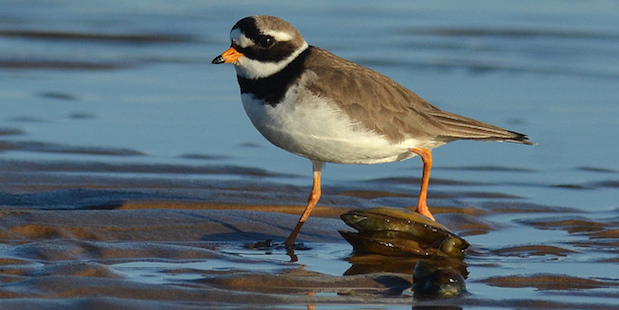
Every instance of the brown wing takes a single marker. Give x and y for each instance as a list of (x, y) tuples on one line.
[(387, 107)]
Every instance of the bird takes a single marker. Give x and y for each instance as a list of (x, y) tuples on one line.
[(315, 104)]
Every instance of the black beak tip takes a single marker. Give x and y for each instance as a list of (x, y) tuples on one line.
[(218, 60)]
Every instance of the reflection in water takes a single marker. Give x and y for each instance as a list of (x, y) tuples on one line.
[(269, 246), (443, 277), (435, 279), (398, 240)]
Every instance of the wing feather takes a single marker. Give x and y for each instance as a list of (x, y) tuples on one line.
[(382, 105)]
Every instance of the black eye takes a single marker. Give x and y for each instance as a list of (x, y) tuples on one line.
[(266, 41)]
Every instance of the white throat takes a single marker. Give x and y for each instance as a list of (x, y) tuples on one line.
[(255, 69)]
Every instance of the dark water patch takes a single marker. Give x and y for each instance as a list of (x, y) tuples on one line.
[(532, 250), (571, 186), (485, 195), (43, 147), (545, 282), (467, 224), (525, 33), (75, 199), (35, 182), (459, 195), (53, 64), (101, 167), (27, 119), (232, 170), (460, 209), (205, 156), (250, 145), (98, 37), (56, 95), (571, 224), (523, 207), (607, 184), (597, 169), (450, 194), (11, 132), (81, 115), (600, 250), (434, 181), (489, 168), (369, 194)]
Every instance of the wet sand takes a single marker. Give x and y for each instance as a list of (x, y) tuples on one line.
[(73, 236), (130, 177)]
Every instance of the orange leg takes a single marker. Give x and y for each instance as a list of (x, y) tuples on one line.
[(426, 156), (311, 203)]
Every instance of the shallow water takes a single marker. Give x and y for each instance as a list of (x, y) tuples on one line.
[(112, 112)]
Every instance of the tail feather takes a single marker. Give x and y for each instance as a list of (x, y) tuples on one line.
[(461, 127)]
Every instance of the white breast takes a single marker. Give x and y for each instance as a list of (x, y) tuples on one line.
[(315, 128)]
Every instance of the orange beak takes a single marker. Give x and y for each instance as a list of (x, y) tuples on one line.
[(231, 55)]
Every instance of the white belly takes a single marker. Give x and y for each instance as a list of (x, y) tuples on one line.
[(315, 129)]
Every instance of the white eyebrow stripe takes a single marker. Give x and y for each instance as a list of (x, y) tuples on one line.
[(279, 35)]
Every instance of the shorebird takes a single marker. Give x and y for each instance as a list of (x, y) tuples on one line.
[(315, 104)]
